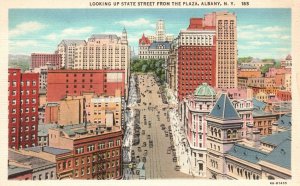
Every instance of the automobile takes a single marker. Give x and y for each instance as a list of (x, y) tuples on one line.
[(166, 134), (144, 144), (138, 159), (132, 153), (150, 143), (177, 168), (141, 166), (169, 151), (174, 159), (162, 125), (145, 152), (144, 159)]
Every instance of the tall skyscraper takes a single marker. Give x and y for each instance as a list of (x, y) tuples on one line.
[(207, 53), (160, 31), (196, 57), (23, 91), (226, 49)]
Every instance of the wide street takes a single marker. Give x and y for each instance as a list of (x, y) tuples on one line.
[(159, 161)]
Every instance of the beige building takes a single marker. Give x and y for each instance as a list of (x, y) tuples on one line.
[(104, 51), (67, 50), (98, 109), (226, 50)]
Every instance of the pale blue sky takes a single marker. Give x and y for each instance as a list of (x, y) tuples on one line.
[(263, 33)]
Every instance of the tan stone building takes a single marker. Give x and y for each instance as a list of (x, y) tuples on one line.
[(72, 109), (226, 50)]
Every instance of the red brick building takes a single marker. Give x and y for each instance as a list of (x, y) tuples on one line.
[(196, 57), (95, 152), (75, 82), (23, 91), (284, 95), (39, 60)]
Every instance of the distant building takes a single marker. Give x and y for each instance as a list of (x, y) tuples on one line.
[(104, 52), (258, 63), (157, 46), (287, 62), (41, 59), (62, 83), (249, 71), (160, 33), (95, 151), (66, 48), (23, 98)]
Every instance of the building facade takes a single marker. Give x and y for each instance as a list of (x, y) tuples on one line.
[(193, 115), (96, 151), (196, 57), (71, 110), (66, 48), (39, 60), (62, 83), (23, 91), (104, 52)]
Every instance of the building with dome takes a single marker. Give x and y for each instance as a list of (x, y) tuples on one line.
[(194, 110)]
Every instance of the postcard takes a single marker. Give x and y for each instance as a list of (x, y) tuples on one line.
[(149, 92)]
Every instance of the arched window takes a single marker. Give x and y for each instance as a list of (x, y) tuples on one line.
[(238, 171), (211, 130), (249, 176), (228, 134), (215, 130), (246, 174), (219, 133), (229, 168), (234, 134)]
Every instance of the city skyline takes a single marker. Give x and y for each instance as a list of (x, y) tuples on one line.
[(262, 33)]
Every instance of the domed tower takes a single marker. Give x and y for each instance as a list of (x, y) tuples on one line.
[(223, 131), (195, 109)]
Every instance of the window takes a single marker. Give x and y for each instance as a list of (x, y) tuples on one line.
[(79, 150)]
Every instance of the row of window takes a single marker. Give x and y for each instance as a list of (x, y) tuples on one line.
[(100, 146), (14, 111), (13, 138), (27, 119), (47, 176), (28, 82)]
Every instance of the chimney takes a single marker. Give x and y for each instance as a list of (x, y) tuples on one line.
[(256, 138), (249, 131), (274, 127)]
